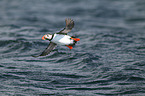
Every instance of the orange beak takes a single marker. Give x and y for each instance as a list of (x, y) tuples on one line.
[(43, 38)]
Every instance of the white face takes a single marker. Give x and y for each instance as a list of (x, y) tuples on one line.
[(48, 36)]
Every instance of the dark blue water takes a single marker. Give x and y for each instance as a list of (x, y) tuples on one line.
[(109, 60)]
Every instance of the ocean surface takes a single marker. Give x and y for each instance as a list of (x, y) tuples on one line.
[(109, 60)]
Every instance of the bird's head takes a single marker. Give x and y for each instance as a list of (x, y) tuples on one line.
[(47, 37)]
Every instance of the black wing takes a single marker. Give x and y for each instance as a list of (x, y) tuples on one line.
[(68, 27), (50, 47)]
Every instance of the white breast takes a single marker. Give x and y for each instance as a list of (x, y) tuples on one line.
[(62, 39)]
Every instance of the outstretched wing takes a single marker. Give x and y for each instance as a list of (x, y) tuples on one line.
[(50, 47), (68, 27)]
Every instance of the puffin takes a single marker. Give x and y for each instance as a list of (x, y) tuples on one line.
[(60, 38)]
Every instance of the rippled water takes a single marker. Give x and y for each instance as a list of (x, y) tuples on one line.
[(108, 60)]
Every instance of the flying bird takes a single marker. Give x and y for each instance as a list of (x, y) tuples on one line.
[(60, 38)]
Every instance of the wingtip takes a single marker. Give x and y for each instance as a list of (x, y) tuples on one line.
[(69, 23), (35, 55), (38, 55)]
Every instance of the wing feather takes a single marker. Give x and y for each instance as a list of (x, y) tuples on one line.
[(50, 47), (68, 27)]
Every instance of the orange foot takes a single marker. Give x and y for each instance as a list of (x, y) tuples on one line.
[(76, 39), (70, 47)]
